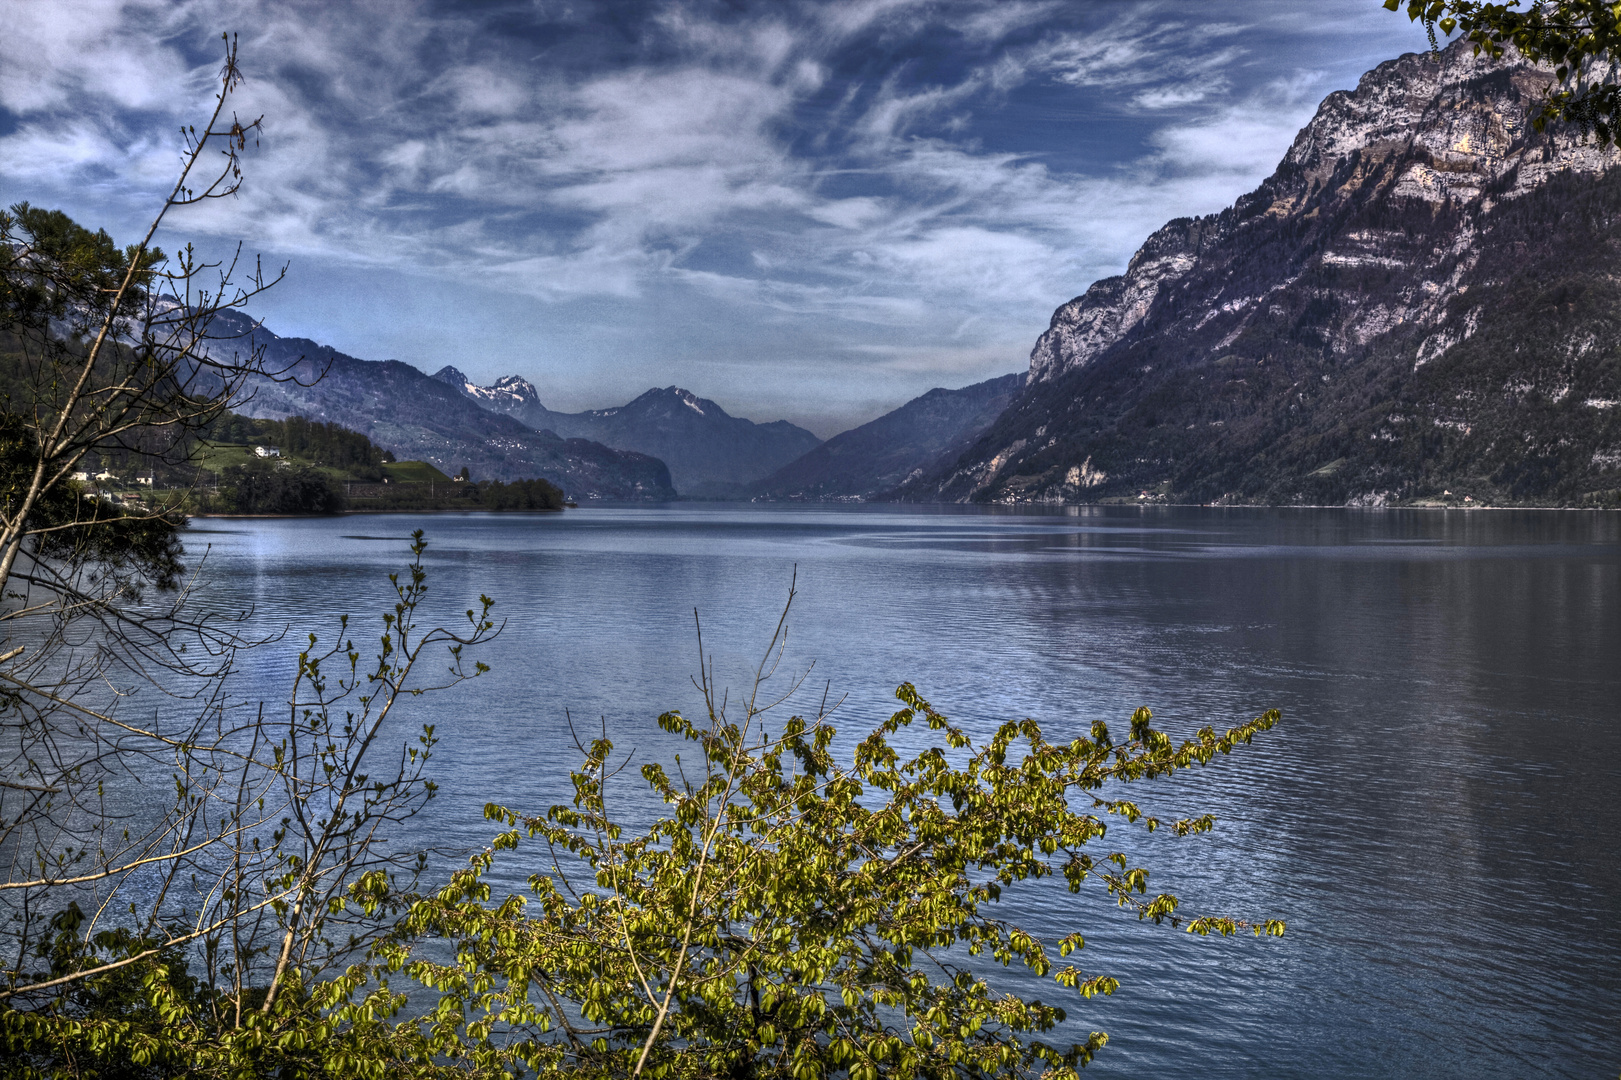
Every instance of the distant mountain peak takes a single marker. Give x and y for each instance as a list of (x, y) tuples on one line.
[(672, 395), (514, 386), (435, 418), (865, 462), (710, 452), (505, 393), (689, 399)]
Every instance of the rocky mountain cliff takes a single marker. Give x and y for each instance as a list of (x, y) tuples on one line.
[(871, 459), (401, 409), (1421, 303), (711, 454)]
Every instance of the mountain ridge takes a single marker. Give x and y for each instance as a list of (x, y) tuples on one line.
[(1415, 306), (710, 453), (402, 409), (869, 460)]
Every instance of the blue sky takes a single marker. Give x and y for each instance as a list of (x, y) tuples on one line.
[(810, 211)]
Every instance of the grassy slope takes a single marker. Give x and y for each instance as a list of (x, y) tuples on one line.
[(414, 472), (213, 457)]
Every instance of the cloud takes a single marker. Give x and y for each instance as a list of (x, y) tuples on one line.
[(1143, 47), (895, 110), (941, 360), (852, 213), (1173, 96), (1241, 140), (855, 171), (54, 55), (995, 23)]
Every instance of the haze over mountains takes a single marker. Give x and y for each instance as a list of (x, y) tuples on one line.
[(666, 443), (868, 461), (1421, 304), (711, 454)]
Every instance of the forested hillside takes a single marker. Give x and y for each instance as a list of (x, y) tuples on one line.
[(317, 441)]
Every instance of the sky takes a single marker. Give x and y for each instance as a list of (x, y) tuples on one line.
[(804, 211)]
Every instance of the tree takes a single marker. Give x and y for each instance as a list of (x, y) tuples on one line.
[(1579, 39), (189, 927), (270, 869), (106, 352), (534, 494), (326, 444), (262, 487), (791, 916)]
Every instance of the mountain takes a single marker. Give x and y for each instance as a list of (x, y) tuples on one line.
[(403, 410), (877, 456), (710, 454), (1421, 303)]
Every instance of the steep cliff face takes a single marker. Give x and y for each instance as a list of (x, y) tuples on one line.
[(1421, 300), (711, 454)]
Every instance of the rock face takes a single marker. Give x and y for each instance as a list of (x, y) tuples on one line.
[(418, 418), (711, 454), (1421, 302), (510, 394), (867, 461)]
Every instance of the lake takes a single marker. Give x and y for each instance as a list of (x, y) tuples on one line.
[(1436, 817)]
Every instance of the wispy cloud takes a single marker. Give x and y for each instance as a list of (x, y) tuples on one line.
[(888, 180)]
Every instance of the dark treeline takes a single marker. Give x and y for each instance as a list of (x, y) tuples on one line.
[(281, 487), (264, 487), (520, 495), (314, 440)]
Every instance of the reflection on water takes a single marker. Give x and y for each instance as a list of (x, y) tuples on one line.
[(1433, 818)]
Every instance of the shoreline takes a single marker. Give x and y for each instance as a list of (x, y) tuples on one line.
[(380, 510), (915, 505)]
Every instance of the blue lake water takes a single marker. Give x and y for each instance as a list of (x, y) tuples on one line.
[(1438, 817)]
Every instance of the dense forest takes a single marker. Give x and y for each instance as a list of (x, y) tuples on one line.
[(269, 487), (537, 494)]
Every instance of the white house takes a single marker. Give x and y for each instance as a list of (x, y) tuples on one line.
[(266, 451)]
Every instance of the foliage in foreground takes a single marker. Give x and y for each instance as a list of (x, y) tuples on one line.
[(277, 870), (794, 917), (789, 916)]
